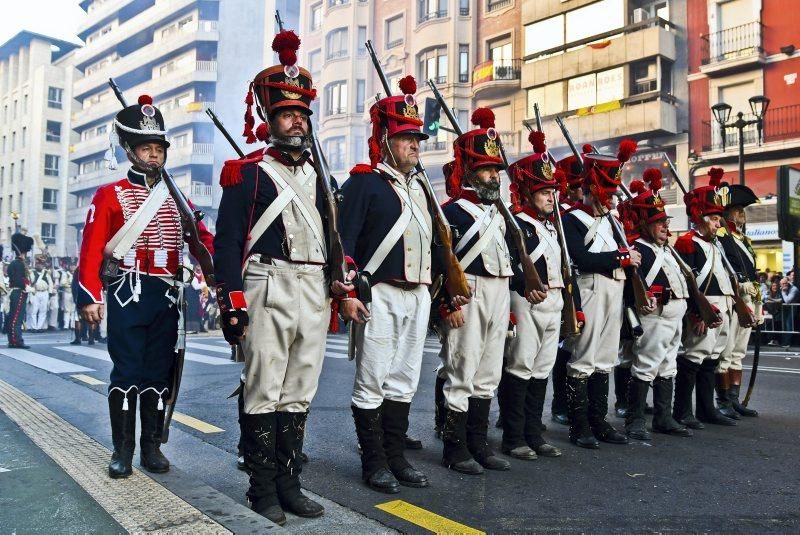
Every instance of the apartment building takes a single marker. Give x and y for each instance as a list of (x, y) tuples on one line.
[(747, 49), (188, 55), (35, 97), (612, 69)]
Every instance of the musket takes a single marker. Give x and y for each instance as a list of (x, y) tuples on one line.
[(705, 309), (532, 280), (278, 20), (569, 313), (191, 233), (224, 132), (632, 273), (455, 280)]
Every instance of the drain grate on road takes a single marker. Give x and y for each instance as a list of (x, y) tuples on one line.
[(138, 504)]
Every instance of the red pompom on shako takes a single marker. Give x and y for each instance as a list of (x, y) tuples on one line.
[(280, 86), (603, 172), (145, 99), (706, 200), (408, 85)]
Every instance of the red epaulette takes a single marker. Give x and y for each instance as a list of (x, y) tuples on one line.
[(685, 244), (231, 174), (361, 169)]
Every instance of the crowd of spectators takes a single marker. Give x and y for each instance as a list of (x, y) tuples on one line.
[(778, 291)]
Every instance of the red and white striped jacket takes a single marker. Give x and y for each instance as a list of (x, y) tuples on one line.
[(157, 252)]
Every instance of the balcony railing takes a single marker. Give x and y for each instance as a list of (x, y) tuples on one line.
[(335, 54), (396, 42), (431, 15), (645, 86), (494, 5), (780, 124), (490, 71), (200, 193), (334, 3), (427, 146), (732, 43)]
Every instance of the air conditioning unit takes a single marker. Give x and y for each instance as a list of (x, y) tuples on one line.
[(639, 15)]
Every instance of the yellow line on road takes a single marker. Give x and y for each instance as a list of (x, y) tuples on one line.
[(87, 379), (426, 519), (194, 423)]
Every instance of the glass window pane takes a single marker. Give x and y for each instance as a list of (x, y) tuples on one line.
[(545, 34), (582, 91), (610, 85), (595, 19)]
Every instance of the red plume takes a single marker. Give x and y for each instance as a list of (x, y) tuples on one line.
[(145, 99), (626, 149), (561, 178), (536, 138), (408, 85), (483, 118), (716, 176), (652, 176), (587, 148), (286, 44), (637, 187)]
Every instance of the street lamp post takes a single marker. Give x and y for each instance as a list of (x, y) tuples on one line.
[(15, 217), (722, 114)]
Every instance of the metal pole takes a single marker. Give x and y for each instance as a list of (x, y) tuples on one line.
[(740, 125)]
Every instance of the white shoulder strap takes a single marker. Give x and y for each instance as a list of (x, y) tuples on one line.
[(658, 262), (126, 236), (394, 234), (481, 217), (708, 250), (485, 238)]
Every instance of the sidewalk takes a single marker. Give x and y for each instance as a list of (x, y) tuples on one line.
[(38, 496)]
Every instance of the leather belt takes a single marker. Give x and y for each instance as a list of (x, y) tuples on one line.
[(403, 285)]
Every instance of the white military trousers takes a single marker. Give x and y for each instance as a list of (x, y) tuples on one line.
[(596, 349), (532, 353), (713, 342), (473, 353), (389, 347), (289, 310)]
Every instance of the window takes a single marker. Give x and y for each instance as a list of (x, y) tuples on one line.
[(53, 131), (90, 166), (336, 43), (13, 141), (11, 173), (4, 144), (99, 33), (544, 35), (433, 65), (21, 170), (643, 77), (25, 104), (88, 102), (25, 136), (48, 233), (361, 42), (335, 150), (359, 152), (549, 97), (174, 65), (593, 19), (463, 63), (361, 95), (183, 25), (591, 89), (431, 9), (394, 31), (51, 163), (500, 50), (334, 3), (316, 16), (336, 98), (2, 175), (179, 141), (101, 64), (177, 102), (314, 61), (50, 199), (91, 133), (494, 5), (463, 7), (54, 96), (16, 108)]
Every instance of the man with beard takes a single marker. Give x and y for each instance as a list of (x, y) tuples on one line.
[(272, 287), (475, 333), (386, 227), (703, 343), (133, 236), (653, 354), (600, 261), (740, 254), (531, 354)]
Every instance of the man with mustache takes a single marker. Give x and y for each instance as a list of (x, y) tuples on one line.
[(531, 354), (653, 354), (272, 287), (133, 236), (386, 228), (475, 333)]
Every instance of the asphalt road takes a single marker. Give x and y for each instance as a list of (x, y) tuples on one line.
[(740, 479)]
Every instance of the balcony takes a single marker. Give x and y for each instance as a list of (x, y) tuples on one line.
[(200, 194), (733, 49), (497, 5), (93, 180), (494, 78), (431, 15), (651, 37), (147, 56), (647, 115), (204, 71), (781, 128), (196, 154), (88, 147)]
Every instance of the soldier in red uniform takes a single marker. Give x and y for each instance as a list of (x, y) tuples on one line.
[(133, 236)]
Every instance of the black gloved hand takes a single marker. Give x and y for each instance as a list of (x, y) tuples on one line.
[(233, 333)]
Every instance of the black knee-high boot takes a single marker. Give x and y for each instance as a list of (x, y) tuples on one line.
[(122, 410)]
